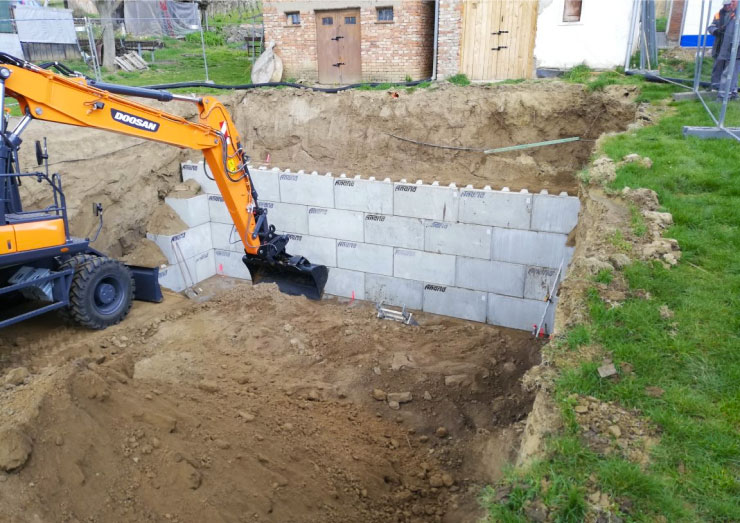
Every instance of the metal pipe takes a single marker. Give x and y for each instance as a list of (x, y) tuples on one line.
[(20, 127), (733, 67), (699, 59), (184, 98), (631, 37), (203, 46), (436, 39), (2, 106)]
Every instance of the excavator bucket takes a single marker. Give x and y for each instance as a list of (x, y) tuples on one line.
[(294, 275)]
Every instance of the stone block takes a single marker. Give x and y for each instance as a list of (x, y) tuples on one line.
[(425, 201), (193, 211), (225, 237), (307, 189), (424, 266), (490, 276), (499, 208), (555, 213), (189, 243), (229, 263), (266, 183), (543, 249), (333, 223), (287, 217), (356, 194), (396, 231), (538, 282), (394, 291), (517, 313), (458, 238), (322, 251), (455, 302), (365, 257), (349, 284)]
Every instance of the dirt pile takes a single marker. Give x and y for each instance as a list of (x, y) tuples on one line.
[(257, 406)]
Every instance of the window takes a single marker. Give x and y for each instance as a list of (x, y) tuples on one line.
[(350, 20), (385, 14), (293, 18), (327, 20), (572, 11)]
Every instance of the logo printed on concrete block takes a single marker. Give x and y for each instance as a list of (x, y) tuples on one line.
[(539, 282)]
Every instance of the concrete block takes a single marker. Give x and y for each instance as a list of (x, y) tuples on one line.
[(458, 303), (517, 313), (424, 266), (394, 291), (490, 276), (217, 210), (349, 284), (333, 223), (555, 213), (287, 217), (543, 249), (307, 189), (197, 171), (425, 201), (179, 276), (266, 183), (396, 231), (187, 244), (499, 208), (225, 237), (458, 238), (317, 250), (193, 211), (356, 194), (170, 277), (365, 257), (229, 263), (538, 282)]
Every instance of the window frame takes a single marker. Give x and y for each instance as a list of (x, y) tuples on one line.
[(290, 21), (569, 9), (379, 10)]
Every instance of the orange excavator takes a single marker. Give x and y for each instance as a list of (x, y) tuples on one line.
[(42, 264)]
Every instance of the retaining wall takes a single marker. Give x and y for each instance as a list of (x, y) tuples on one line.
[(479, 254)]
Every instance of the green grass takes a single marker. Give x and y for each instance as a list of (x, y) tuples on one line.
[(459, 79), (661, 23), (694, 472)]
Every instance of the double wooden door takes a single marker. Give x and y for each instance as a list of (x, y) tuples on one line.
[(338, 45)]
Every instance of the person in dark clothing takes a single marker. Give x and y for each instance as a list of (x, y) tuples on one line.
[(728, 82), (717, 28)]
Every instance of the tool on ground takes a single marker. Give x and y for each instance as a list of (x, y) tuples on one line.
[(403, 316), (538, 330), (36, 248)]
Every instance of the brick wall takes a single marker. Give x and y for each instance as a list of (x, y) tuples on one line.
[(389, 51), (674, 23), (450, 34)]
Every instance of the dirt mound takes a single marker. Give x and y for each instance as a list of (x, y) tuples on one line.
[(145, 254), (164, 220), (258, 406)]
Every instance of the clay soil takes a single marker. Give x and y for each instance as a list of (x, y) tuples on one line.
[(255, 406)]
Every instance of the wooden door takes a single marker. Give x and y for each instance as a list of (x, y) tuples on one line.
[(338, 46), (498, 39)]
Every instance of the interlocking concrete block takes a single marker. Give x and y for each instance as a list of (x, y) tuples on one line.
[(349, 284), (543, 249), (458, 303), (197, 171), (555, 213), (490, 276), (225, 237), (517, 313), (179, 276), (396, 231), (394, 291), (356, 194), (424, 266), (333, 223), (365, 257), (538, 282), (499, 208), (425, 201), (217, 210), (458, 238), (193, 211), (307, 189), (229, 263), (189, 243), (266, 183), (322, 251), (170, 277), (287, 217)]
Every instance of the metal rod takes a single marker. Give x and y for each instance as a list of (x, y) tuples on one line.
[(184, 98), (631, 39), (203, 46), (435, 40), (2, 106), (699, 59), (701, 99), (531, 145), (20, 127), (733, 67)]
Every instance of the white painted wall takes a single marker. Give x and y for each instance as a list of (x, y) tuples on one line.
[(691, 27), (599, 40)]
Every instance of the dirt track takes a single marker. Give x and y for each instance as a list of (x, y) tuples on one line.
[(255, 406)]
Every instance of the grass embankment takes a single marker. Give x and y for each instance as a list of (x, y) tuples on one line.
[(693, 357)]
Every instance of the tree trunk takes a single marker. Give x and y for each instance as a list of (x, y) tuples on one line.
[(106, 8)]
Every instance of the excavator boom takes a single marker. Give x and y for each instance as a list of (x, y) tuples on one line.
[(76, 100)]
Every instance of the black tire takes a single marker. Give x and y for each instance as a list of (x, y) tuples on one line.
[(74, 263), (102, 293)]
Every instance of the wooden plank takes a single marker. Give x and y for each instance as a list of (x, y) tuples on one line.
[(137, 60), (488, 40), (123, 64), (327, 49), (466, 48)]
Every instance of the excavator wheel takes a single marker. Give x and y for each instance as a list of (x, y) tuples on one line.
[(74, 263), (101, 294)]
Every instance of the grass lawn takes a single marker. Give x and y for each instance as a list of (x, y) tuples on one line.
[(694, 471)]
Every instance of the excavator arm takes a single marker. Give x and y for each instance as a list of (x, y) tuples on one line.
[(76, 100)]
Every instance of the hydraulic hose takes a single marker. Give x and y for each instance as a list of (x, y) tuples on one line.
[(650, 77), (240, 87)]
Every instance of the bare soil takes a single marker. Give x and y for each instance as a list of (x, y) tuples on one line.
[(255, 406)]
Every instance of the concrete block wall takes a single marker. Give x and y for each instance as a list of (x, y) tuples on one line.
[(479, 254)]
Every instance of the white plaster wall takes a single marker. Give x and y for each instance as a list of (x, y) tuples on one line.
[(691, 25), (599, 40)]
